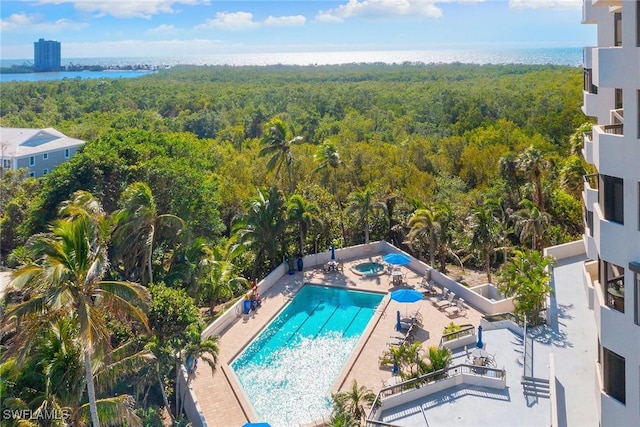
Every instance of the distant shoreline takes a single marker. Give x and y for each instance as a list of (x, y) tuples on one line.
[(25, 69)]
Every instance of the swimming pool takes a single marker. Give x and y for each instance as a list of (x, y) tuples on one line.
[(288, 370)]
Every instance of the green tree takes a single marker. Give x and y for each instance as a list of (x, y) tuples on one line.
[(363, 204), (423, 227), (531, 223), (525, 277), (484, 233), (277, 144), (67, 281), (136, 232), (262, 229), (197, 349), (355, 400), (304, 214), (532, 163)]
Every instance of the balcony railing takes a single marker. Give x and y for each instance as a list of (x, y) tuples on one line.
[(591, 180), (615, 294), (617, 116), (615, 129)]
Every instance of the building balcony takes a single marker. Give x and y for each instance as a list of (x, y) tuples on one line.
[(590, 191), (590, 103), (587, 57), (587, 146), (610, 152), (590, 246), (617, 116)]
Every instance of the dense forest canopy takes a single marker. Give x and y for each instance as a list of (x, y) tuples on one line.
[(195, 179)]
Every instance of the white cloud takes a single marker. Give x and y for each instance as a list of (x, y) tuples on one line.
[(229, 21), (545, 4), (381, 8), (161, 29), (285, 21), (127, 9), (18, 22)]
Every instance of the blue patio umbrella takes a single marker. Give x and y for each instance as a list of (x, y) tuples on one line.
[(333, 251), (398, 323), (397, 258), (395, 365), (257, 425), (480, 344), (406, 295)]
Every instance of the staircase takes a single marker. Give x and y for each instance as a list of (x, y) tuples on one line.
[(535, 387)]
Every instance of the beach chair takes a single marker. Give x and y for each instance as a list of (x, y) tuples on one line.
[(436, 299), (456, 310), (442, 304)]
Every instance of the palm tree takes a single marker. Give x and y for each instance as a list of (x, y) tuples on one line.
[(197, 349), (532, 163), (572, 175), (440, 357), (220, 282), (261, 229), (445, 219), (329, 159), (423, 227), (277, 144), (484, 233), (136, 232), (525, 277), (355, 399), (362, 204), (67, 281), (531, 223), (304, 214)]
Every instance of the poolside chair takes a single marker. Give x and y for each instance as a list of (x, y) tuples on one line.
[(456, 310), (436, 299), (442, 304)]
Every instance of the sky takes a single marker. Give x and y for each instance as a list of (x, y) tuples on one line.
[(153, 28)]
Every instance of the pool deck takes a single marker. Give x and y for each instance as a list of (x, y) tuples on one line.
[(221, 397)]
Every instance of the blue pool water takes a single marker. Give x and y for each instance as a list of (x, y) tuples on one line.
[(288, 370), (369, 268)]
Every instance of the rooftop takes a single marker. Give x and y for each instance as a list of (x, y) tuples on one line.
[(570, 337), (20, 142)]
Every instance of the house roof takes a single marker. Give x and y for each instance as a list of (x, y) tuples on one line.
[(21, 142)]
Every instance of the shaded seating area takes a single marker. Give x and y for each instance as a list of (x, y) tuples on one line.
[(458, 309)]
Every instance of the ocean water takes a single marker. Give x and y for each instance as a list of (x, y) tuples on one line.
[(555, 56)]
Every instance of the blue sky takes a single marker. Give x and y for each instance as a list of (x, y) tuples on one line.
[(142, 28)]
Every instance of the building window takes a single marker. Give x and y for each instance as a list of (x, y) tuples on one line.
[(612, 279), (45, 171), (45, 156), (66, 153), (32, 174), (618, 99), (6, 163), (614, 375), (588, 85), (617, 29), (611, 198), (32, 161)]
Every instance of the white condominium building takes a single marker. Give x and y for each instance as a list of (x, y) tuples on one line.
[(612, 204)]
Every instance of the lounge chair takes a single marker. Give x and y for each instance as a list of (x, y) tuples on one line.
[(456, 310), (436, 299), (446, 302)]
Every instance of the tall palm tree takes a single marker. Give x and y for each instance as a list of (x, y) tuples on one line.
[(484, 234), (572, 175), (355, 400), (304, 214), (531, 223), (261, 229), (220, 281), (277, 143), (136, 232), (532, 163), (423, 225), (445, 220), (329, 160), (362, 204), (67, 281)]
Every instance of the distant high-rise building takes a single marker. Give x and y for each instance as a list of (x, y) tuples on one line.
[(46, 55)]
